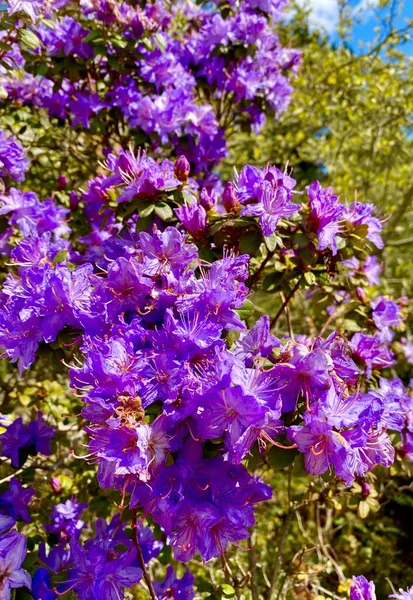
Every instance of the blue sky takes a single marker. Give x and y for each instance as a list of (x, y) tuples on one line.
[(325, 15)]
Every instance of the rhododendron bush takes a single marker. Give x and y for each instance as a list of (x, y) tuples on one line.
[(153, 413)]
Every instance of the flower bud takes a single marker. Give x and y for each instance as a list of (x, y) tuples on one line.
[(361, 295), (207, 200), (61, 182), (73, 200), (182, 168), (229, 197), (56, 485), (365, 489)]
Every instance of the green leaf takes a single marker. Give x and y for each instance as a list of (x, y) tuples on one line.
[(280, 458), (299, 469), (246, 311), (165, 556), (271, 242), (363, 509), (202, 585), (351, 325), (29, 39), (227, 589), (160, 40), (60, 257), (144, 223), (146, 209), (93, 36), (48, 23), (250, 241), (164, 211), (272, 282), (309, 277)]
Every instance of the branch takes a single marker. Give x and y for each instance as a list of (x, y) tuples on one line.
[(282, 540), (260, 269), (252, 560), (400, 242), (285, 303), (140, 556)]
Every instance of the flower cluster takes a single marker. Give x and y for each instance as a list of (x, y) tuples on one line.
[(156, 372), (141, 283), (175, 90)]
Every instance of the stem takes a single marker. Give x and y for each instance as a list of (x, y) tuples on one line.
[(140, 556), (252, 559), (260, 269), (285, 303), (288, 317), (278, 561), (282, 540), (229, 577)]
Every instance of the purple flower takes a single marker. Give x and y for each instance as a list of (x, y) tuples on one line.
[(65, 519), (140, 176), (227, 411), (33, 8), (20, 441), (95, 574), (360, 215), (371, 352), (306, 373), (203, 504), (194, 218), (273, 204), (151, 547), (67, 37), (362, 589), (13, 161), (83, 107), (325, 216), (386, 314), (324, 448), (15, 500), (403, 595), (173, 588), (256, 342), (12, 555), (42, 588), (372, 269)]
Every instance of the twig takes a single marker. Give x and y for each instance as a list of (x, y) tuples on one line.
[(252, 560), (11, 476), (282, 540), (288, 317), (285, 303), (140, 556), (229, 577), (324, 546), (260, 269)]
